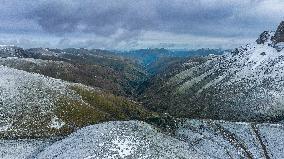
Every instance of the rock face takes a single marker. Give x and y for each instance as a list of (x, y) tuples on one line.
[(279, 34), (275, 39), (264, 37)]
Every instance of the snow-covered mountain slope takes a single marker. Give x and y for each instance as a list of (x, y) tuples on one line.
[(91, 75), (245, 84), (33, 105), (95, 68), (27, 102), (222, 139), (22, 149), (130, 139), (133, 139)]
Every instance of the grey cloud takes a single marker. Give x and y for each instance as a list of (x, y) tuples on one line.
[(105, 17), (124, 21)]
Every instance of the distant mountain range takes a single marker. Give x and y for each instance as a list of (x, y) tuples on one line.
[(149, 57)]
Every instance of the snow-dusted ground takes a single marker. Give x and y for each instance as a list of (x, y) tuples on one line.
[(113, 140), (133, 139), (19, 88), (21, 149), (221, 139), (27, 102)]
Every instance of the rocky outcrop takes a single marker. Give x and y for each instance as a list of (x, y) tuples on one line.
[(273, 38), (264, 37), (279, 34), (278, 38)]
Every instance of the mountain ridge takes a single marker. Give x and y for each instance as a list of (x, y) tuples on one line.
[(245, 84)]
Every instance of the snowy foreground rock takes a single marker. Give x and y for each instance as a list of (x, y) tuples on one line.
[(134, 139), (119, 140)]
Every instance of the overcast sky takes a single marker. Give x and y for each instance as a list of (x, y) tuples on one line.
[(128, 24)]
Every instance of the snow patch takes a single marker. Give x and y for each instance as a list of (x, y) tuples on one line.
[(5, 127), (56, 123), (124, 146)]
